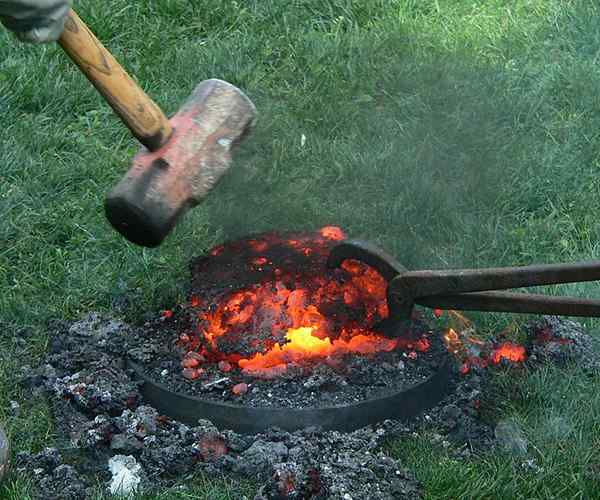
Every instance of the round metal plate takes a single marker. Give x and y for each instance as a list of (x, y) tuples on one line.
[(401, 405)]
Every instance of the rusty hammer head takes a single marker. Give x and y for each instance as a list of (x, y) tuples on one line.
[(162, 185)]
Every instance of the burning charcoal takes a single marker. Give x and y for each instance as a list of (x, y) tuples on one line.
[(269, 373), (166, 314), (192, 360), (127, 475), (510, 437), (189, 363), (560, 341), (240, 389), (211, 447)]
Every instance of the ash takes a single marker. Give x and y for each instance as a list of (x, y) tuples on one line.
[(561, 341), (103, 425)]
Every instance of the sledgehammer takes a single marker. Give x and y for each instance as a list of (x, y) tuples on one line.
[(182, 158)]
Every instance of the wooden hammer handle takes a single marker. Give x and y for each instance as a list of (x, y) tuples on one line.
[(141, 115)]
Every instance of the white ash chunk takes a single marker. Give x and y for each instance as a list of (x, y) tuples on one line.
[(126, 475)]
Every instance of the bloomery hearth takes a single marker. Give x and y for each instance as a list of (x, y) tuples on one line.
[(271, 335), (300, 329), (281, 367)]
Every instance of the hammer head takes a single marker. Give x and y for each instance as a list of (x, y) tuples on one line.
[(162, 185)]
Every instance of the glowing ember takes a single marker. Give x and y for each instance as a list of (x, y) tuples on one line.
[(474, 352), (224, 366), (293, 309), (304, 346), (211, 447), (511, 352), (240, 389), (333, 233)]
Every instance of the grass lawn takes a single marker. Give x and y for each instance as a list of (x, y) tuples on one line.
[(453, 133)]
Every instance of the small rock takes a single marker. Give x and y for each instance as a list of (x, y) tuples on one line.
[(211, 447), (261, 456), (240, 389), (14, 408), (224, 366), (125, 444), (146, 417), (192, 373)]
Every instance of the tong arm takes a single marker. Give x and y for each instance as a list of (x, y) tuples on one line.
[(426, 283), (515, 303)]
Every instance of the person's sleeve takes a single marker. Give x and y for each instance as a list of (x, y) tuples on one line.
[(35, 21)]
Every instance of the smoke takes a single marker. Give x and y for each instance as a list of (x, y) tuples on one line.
[(414, 160)]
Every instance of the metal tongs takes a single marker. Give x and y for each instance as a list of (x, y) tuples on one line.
[(469, 289)]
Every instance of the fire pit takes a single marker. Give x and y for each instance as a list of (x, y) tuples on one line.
[(271, 336), (280, 350)]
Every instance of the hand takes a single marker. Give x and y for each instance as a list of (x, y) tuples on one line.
[(35, 21)]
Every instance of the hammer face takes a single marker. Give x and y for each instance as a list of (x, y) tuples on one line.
[(162, 185)]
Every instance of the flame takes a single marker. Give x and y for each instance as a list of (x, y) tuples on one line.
[(473, 352)]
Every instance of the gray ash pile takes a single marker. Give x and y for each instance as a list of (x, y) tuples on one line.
[(108, 435)]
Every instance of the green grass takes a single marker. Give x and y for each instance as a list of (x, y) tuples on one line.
[(453, 133)]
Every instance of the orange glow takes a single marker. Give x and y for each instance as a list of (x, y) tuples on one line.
[(217, 250), (304, 346), (452, 341), (511, 352), (333, 233), (311, 316), (473, 352)]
